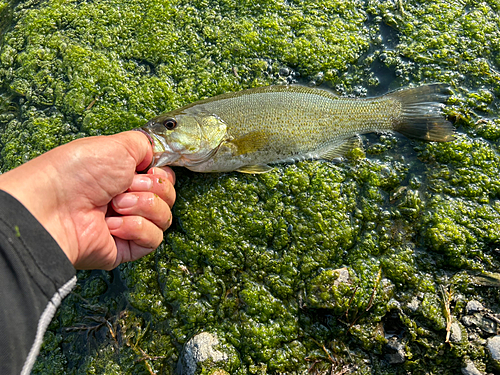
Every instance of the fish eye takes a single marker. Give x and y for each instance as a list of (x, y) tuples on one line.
[(170, 124)]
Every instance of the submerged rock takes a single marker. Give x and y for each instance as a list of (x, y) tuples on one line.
[(396, 353), (480, 320)]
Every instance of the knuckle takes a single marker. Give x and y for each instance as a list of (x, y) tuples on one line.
[(148, 201), (139, 224)]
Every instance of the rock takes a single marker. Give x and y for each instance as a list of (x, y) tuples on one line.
[(456, 332), (284, 72), (396, 351), (488, 325), (198, 349), (468, 320), (329, 289), (414, 304), (478, 320), (470, 369), (473, 306), (493, 345)]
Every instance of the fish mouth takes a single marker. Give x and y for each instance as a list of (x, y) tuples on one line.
[(159, 144), (151, 140), (162, 152)]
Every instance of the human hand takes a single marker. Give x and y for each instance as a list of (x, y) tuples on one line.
[(89, 197)]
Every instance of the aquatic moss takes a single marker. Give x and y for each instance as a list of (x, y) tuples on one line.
[(441, 41), (253, 259), (51, 346)]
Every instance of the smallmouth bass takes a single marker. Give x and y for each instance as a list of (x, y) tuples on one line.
[(249, 130)]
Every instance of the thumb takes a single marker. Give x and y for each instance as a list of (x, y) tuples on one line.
[(139, 147)]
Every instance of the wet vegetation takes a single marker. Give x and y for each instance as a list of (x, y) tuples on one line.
[(367, 266)]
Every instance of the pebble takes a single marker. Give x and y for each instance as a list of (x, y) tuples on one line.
[(284, 72), (470, 369), (197, 350), (414, 304), (455, 332), (493, 345), (473, 306), (398, 355)]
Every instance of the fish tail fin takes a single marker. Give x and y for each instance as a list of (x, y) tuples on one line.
[(421, 116)]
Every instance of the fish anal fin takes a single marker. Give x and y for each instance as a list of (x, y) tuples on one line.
[(340, 151), (259, 168)]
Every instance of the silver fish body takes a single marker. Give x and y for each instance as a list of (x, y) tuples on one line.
[(250, 130)]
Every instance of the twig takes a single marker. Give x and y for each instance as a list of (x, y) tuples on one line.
[(447, 296)]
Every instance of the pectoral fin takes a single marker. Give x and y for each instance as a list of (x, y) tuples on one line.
[(250, 142), (262, 168), (339, 152)]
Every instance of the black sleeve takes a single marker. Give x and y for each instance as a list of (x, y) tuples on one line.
[(35, 275)]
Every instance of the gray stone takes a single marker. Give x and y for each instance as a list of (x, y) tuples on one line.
[(455, 332), (397, 352), (478, 320), (493, 345), (414, 304), (470, 369), (284, 72), (468, 320), (198, 349), (473, 306), (487, 325)]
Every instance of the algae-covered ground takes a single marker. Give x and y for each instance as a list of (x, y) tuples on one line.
[(386, 263)]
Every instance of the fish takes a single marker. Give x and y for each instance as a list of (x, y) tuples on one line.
[(252, 130)]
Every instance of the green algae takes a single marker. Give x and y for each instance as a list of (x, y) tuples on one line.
[(255, 259)]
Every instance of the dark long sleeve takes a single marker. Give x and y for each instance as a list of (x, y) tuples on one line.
[(35, 275)]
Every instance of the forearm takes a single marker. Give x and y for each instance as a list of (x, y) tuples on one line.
[(35, 275)]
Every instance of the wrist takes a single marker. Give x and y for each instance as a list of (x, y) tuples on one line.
[(38, 196)]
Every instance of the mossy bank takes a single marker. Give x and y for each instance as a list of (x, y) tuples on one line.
[(387, 263)]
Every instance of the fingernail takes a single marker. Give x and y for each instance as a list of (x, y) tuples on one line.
[(114, 222), (125, 201), (141, 183)]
